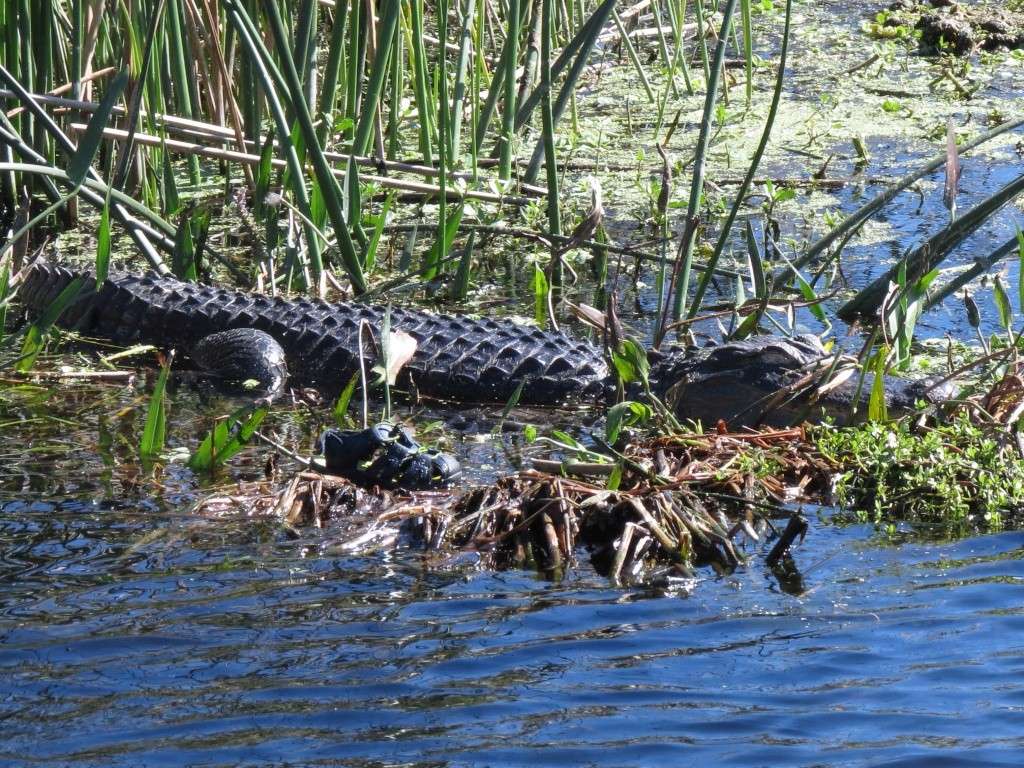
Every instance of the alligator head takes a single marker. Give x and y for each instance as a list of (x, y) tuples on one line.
[(776, 381)]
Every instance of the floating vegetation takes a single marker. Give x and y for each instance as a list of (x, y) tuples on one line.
[(961, 474), (680, 502)]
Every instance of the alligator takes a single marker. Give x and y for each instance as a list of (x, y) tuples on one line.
[(766, 380)]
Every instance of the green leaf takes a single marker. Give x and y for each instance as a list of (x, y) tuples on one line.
[(81, 161), (1002, 303), (183, 259), (378, 230), (808, 293), (155, 431), (443, 245), (513, 400), (911, 305), (188, 245), (171, 200), (530, 433), (615, 478), (103, 243), (540, 295), (317, 206), (876, 403), (36, 334), (756, 264), (227, 438), (748, 326), (460, 285), (569, 440), (631, 362), (925, 282), (625, 414), (341, 406)]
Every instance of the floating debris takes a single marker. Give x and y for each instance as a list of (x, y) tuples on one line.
[(680, 502)]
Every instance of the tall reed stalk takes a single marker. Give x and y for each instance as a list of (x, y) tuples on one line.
[(680, 284), (755, 162)]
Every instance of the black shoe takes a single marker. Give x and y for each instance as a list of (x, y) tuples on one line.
[(386, 455)]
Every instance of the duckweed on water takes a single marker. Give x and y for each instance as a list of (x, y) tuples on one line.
[(956, 474)]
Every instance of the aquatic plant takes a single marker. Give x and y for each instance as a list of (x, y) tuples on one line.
[(956, 475)]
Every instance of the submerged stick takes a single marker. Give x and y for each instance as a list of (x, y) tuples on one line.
[(796, 527)]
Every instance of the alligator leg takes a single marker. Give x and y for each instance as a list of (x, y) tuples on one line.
[(243, 360)]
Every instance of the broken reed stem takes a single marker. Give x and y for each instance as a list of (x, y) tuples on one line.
[(625, 541), (201, 150)]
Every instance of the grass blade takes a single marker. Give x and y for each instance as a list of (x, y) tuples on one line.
[(103, 245), (1002, 301), (324, 176), (684, 256), (388, 23), (460, 285), (378, 230), (341, 405), (443, 243), (755, 162), (81, 160), (154, 432), (37, 331), (227, 438), (876, 401), (5, 278), (540, 295)]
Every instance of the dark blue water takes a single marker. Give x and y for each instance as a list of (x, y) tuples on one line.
[(218, 642), (135, 631)]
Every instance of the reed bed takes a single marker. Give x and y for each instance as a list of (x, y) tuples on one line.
[(340, 148), (324, 106)]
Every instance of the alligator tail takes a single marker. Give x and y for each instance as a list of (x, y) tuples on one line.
[(42, 284)]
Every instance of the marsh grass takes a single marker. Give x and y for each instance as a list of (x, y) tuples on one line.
[(307, 86)]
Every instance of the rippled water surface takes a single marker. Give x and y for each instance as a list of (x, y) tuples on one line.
[(135, 632), (220, 643)]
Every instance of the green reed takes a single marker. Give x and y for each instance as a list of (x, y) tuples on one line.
[(301, 101)]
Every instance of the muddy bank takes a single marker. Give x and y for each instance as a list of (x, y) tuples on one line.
[(945, 26)]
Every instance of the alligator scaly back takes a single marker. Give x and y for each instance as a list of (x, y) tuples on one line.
[(457, 357)]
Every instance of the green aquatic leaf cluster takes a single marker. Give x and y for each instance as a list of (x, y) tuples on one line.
[(956, 474)]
